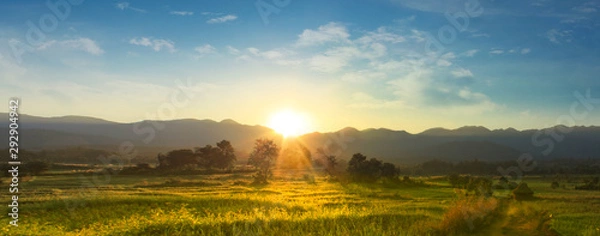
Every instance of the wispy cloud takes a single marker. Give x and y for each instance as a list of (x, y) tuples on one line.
[(432, 5), (222, 19), (155, 44), (278, 56), (232, 50), (406, 20), (525, 51), (126, 6), (446, 59), (363, 76), (496, 51), (334, 59), (559, 36), (331, 32), (182, 13), (205, 49), (363, 100), (470, 53), (207, 13), (381, 35), (460, 73), (588, 7), (83, 44)]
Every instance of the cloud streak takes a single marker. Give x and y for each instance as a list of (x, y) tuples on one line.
[(81, 44), (126, 6), (222, 19), (156, 44), (182, 13)]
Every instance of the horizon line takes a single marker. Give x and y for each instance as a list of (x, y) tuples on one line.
[(322, 132)]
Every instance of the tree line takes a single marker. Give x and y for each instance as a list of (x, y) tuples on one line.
[(221, 156)]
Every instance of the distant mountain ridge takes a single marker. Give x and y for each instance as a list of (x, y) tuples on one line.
[(464, 143)]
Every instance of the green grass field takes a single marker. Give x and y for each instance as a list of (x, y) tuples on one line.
[(228, 205)]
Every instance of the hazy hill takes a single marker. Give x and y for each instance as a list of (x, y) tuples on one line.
[(55, 132), (464, 143)]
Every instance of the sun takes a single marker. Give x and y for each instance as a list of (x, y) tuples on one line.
[(289, 123)]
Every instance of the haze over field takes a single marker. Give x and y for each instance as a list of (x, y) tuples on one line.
[(397, 146), (362, 64)]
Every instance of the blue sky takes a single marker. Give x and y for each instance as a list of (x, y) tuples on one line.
[(341, 63)]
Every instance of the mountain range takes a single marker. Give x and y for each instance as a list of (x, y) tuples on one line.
[(465, 143)]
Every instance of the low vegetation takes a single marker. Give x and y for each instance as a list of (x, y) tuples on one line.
[(201, 192)]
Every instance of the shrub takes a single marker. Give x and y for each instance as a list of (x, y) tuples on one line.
[(309, 178), (522, 192), (468, 214)]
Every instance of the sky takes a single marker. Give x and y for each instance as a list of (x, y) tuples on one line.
[(397, 64)]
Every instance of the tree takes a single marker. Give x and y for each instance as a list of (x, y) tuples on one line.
[(177, 159), (263, 156), (227, 156), (362, 170), (330, 161), (222, 156), (354, 164), (389, 171), (207, 155)]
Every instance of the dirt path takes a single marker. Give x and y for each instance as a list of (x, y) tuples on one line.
[(510, 225)]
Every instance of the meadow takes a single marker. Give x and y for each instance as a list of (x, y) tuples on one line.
[(291, 204)]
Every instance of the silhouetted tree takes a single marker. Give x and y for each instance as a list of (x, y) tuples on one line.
[(263, 156), (222, 156), (329, 161), (389, 170), (362, 170), (227, 156), (207, 156), (177, 159)]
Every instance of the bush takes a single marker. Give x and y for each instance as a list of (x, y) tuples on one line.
[(554, 185), (309, 178), (522, 192), (478, 185), (468, 214)]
